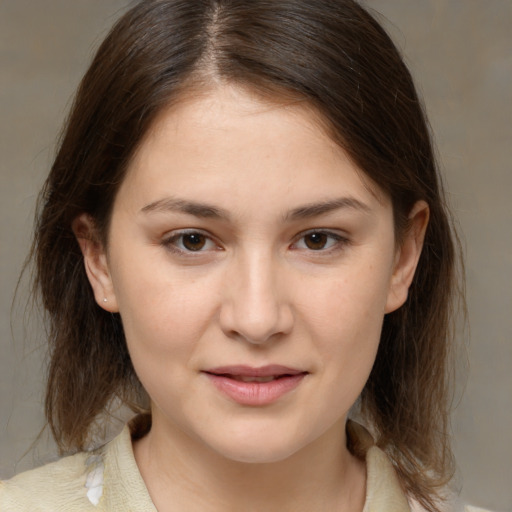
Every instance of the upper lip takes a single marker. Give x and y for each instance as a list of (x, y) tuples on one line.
[(250, 371)]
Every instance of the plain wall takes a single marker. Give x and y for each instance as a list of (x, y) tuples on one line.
[(460, 52)]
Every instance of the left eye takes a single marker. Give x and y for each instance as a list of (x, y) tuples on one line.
[(318, 241), (193, 241)]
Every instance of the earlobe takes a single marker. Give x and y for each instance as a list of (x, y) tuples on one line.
[(407, 256), (95, 262)]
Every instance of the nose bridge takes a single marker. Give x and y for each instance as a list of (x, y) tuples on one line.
[(255, 307)]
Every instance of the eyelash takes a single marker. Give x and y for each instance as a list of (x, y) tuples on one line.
[(170, 242), (337, 242)]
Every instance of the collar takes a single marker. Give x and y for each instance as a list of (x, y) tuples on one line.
[(124, 488), (383, 489)]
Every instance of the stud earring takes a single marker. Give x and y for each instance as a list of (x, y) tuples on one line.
[(105, 299)]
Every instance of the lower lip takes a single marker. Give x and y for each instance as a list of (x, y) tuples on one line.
[(256, 393)]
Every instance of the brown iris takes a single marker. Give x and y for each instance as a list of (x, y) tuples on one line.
[(316, 241), (194, 241)]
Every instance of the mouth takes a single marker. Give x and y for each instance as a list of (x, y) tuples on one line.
[(244, 373), (255, 386), (246, 378)]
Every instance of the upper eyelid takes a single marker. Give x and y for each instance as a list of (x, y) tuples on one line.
[(187, 231), (327, 231)]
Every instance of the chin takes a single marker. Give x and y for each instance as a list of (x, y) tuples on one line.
[(257, 452), (258, 446)]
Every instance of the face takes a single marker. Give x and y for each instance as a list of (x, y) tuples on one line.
[(252, 266)]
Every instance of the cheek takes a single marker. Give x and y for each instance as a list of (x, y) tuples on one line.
[(345, 317), (163, 313), (163, 320), (352, 302)]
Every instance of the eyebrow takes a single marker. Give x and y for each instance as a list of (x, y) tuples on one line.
[(205, 210), (190, 207), (324, 207)]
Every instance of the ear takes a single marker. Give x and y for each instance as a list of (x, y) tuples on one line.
[(407, 256), (95, 262)]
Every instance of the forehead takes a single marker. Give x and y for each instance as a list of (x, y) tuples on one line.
[(229, 140)]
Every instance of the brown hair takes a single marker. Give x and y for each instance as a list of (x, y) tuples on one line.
[(338, 59)]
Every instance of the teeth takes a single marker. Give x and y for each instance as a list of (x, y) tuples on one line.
[(244, 378)]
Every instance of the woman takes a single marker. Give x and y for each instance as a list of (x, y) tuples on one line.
[(244, 238)]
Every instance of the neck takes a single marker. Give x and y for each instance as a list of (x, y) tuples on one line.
[(183, 474)]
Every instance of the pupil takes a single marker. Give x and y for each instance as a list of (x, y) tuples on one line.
[(316, 241), (194, 242)]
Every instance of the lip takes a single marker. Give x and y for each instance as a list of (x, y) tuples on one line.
[(227, 379)]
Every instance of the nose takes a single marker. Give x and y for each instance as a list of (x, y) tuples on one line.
[(255, 306)]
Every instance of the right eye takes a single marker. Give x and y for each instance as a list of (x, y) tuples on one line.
[(189, 242)]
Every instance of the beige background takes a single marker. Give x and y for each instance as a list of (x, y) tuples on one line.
[(460, 52)]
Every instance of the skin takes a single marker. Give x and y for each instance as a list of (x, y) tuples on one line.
[(260, 290)]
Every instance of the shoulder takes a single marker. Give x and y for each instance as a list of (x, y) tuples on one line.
[(59, 486), (104, 480), (452, 504), (384, 491), (470, 508)]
